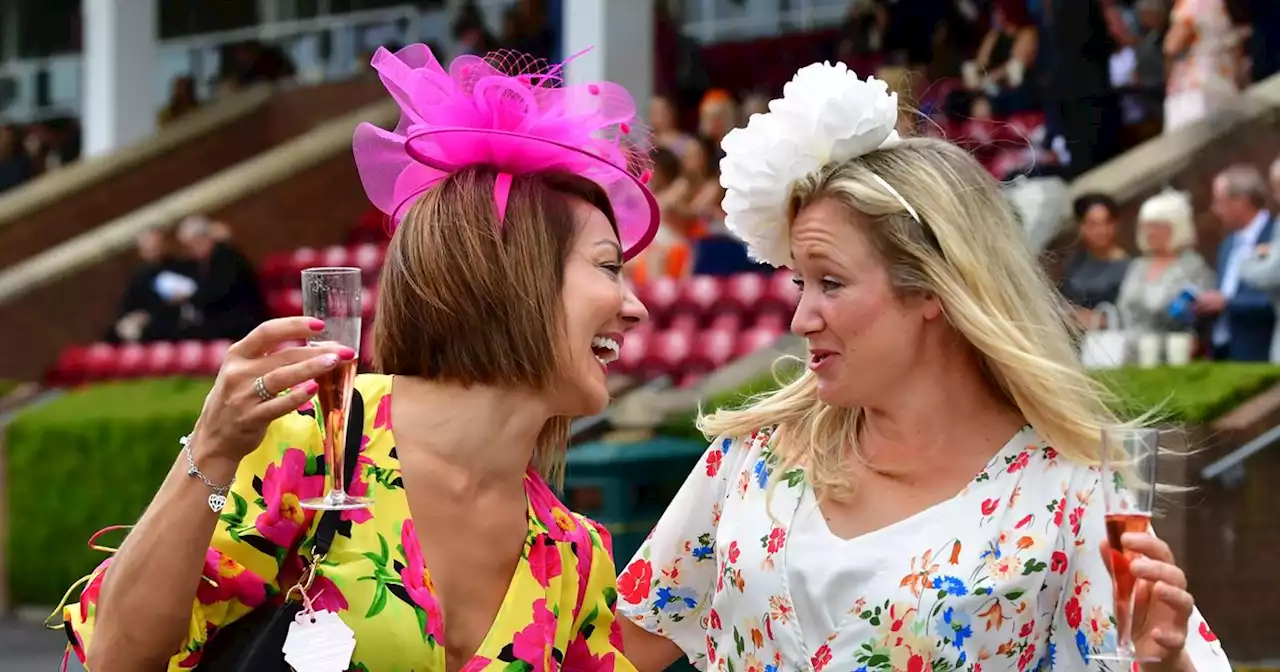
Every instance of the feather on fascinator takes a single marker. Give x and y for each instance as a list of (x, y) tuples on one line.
[(515, 114)]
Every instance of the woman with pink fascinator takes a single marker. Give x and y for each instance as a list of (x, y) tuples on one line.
[(515, 200)]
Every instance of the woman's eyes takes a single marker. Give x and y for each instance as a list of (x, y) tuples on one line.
[(827, 284), (613, 267)]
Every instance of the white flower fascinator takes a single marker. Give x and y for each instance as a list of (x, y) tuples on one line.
[(826, 114)]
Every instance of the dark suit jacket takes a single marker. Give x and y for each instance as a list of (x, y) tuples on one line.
[(1249, 314)]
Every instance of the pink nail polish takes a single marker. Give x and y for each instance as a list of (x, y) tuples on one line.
[(317, 325), (346, 353), (310, 387)]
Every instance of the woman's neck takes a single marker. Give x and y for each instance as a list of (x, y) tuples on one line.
[(481, 436)]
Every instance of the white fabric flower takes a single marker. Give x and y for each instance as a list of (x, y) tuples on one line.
[(826, 114)]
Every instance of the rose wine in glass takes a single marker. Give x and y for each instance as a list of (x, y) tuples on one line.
[(332, 294), (1129, 462)]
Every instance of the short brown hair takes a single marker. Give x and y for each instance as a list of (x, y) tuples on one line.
[(468, 300)]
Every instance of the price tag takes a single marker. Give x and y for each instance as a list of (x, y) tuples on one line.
[(319, 641)]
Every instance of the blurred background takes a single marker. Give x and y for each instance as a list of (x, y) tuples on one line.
[(168, 167)]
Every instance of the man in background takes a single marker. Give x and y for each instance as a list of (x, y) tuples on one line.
[(227, 302)]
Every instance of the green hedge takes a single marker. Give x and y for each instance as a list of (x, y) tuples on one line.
[(95, 456), (1192, 395), (89, 459)]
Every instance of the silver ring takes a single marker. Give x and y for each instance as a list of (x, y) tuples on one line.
[(260, 386)]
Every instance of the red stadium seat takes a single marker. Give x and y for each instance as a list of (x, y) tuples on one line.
[(659, 296), (780, 297), (189, 359), (368, 258), (368, 303), (713, 349), (727, 322), (684, 321), (634, 347), (699, 294), (334, 255), (773, 321), (160, 359), (667, 353), (214, 353), (743, 291), (70, 367), (276, 270), (286, 303), (130, 361), (755, 339)]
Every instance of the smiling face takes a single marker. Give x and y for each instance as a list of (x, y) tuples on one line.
[(599, 308), (862, 336)]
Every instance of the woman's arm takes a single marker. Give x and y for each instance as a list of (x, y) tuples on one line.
[(647, 651), (983, 59), (144, 608), (1180, 37)]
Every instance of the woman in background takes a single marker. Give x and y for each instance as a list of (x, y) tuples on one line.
[(1094, 273), (1168, 266)]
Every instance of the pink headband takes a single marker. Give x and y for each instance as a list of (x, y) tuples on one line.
[(512, 113)]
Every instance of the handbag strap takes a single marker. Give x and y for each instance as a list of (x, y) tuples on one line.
[(329, 520)]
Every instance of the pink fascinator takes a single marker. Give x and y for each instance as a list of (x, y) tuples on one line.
[(510, 112)]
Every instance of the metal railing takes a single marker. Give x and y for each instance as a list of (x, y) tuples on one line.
[(1229, 469), (322, 48)]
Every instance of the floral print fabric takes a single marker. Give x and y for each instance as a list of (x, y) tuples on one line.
[(1006, 575), (558, 612)]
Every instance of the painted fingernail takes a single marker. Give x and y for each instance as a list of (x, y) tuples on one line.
[(316, 325), (310, 387), (346, 353)]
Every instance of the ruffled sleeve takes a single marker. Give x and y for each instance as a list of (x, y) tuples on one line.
[(258, 528), (1082, 625), (669, 583)]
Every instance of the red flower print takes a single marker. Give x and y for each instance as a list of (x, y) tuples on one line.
[(989, 506), (1058, 563), (734, 551), (233, 581), (1050, 454), (1060, 508), (1073, 612), (1028, 656), (711, 650), (544, 560), (714, 459), (768, 628), (715, 620), (777, 539), (533, 644), (1206, 633), (326, 596), (382, 417), (1019, 462), (636, 582), (1077, 515), (1027, 628), (916, 663), (359, 486), (1026, 520), (284, 486), (579, 658), (418, 583), (821, 657)]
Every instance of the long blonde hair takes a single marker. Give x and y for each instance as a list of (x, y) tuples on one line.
[(971, 254)]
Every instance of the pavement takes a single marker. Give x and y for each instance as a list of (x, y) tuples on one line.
[(27, 647)]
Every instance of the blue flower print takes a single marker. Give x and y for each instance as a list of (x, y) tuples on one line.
[(957, 625), (676, 599), (762, 471), (949, 585)]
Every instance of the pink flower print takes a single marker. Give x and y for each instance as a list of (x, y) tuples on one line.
[(284, 486), (382, 417), (533, 644), (544, 560), (476, 664), (418, 583), (326, 596), (579, 658), (615, 634), (233, 580), (89, 596), (307, 406), (359, 485)]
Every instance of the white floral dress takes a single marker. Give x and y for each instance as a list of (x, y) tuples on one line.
[(1006, 575)]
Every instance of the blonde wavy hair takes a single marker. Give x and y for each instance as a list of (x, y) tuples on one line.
[(971, 254)]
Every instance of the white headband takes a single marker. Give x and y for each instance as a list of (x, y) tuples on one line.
[(889, 188)]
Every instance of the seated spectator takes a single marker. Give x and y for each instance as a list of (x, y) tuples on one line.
[(717, 115), (152, 305), (669, 254), (15, 166), (1169, 265), (694, 198), (227, 302), (182, 100), (664, 121), (1093, 274), (1003, 66)]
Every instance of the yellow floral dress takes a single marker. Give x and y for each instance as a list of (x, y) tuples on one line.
[(558, 612)]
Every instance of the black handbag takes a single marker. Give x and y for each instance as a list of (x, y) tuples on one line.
[(255, 643)]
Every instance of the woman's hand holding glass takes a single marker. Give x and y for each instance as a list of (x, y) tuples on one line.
[(1162, 606), (239, 408)]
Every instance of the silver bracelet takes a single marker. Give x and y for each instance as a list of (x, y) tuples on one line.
[(219, 496)]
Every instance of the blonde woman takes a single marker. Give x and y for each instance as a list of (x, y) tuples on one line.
[(925, 495), (1168, 265)]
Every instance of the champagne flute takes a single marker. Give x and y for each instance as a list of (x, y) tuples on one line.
[(332, 294), (1129, 461)]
